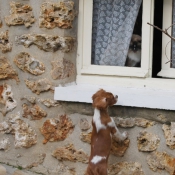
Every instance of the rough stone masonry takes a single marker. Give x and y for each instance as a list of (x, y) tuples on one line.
[(38, 42)]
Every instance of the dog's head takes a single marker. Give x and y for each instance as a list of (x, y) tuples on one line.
[(102, 99), (135, 44)]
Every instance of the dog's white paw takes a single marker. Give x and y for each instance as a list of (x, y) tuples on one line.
[(125, 135)]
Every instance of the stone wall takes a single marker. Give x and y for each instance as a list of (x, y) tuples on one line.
[(41, 136)]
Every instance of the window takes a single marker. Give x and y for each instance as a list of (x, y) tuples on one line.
[(150, 85), (85, 66), (168, 52)]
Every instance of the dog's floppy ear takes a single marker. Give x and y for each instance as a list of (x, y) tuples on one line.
[(99, 103), (99, 93), (99, 99)]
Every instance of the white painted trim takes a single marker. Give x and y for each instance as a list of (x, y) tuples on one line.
[(114, 71), (134, 97), (151, 39), (87, 35), (166, 70), (80, 36), (169, 73), (147, 33), (127, 82)]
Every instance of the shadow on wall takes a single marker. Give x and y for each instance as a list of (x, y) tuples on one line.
[(162, 116)]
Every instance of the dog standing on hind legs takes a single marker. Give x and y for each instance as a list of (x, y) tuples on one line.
[(103, 130)]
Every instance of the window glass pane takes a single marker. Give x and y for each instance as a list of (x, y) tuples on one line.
[(173, 42), (116, 28)]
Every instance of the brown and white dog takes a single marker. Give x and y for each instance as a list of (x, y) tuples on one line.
[(104, 129)]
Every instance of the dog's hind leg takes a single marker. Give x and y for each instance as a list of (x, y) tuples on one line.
[(102, 170)]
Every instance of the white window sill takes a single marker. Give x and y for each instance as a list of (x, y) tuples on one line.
[(169, 73), (134, 97)]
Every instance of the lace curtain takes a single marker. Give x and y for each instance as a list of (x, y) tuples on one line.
[(113, 23)]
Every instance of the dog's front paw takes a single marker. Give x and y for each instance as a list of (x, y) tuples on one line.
[(125, 135)]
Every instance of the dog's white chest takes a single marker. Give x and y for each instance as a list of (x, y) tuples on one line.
[(97, 120)]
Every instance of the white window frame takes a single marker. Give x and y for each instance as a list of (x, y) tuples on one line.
[(166, 70), (134, 86), (84, 44)]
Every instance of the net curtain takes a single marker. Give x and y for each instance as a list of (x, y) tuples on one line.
[(113, 23)]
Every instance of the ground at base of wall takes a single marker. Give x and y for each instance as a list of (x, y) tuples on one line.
[(10, 170)]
